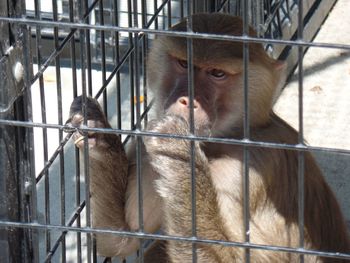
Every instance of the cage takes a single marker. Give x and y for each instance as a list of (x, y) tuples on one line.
[(53, 51)]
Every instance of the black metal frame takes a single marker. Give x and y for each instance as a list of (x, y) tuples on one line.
[(72, 45)]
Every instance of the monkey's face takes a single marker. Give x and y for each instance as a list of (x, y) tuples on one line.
[(213, 97), (218, 91), (217, 79)]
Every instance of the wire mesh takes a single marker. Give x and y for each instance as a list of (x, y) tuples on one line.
[(106, 43)]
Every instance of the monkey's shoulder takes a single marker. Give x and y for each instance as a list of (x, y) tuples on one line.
[(276, 130)]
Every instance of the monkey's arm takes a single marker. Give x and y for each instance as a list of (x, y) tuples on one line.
[(108, 171), (114, 202), (110, 179), (171, 159)]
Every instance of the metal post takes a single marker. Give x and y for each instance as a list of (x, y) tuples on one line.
[(17, 177)]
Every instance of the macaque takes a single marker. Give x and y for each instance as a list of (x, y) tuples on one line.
[(218, 109)]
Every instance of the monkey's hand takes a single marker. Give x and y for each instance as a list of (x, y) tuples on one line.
[(172, 126), (171, 149), (170, 154), (95, 119)]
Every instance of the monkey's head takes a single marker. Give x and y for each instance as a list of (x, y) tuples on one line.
[(217, 76)]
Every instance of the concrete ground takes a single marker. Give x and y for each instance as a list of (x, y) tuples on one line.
[(326, 120), (326, 101)]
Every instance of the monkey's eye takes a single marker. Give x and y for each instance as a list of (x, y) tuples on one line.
[(182, 63), (217, 73)]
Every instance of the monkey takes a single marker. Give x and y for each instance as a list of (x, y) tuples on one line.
[(218, 112)]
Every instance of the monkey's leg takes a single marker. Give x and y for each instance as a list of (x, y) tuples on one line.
[(171, 158), (108, 171)]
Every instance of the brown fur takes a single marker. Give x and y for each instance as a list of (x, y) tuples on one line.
[(166, 169)]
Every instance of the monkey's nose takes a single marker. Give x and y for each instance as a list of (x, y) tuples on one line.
[(185, 101)]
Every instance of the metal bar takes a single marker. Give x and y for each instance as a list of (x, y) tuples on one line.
[(155, 7), (76, 151), (29, 175), (301, 155), (70, 222), (4, 224), (83, 34), (137, 36), (115, 71), (131, 68), (246, 124), (169, 13), (136, 76), (73, 52), (193, 35), (182, 9), (126, 56), (103, 56), (191, 95), (58, 50), (117, 59), (221, 6), (60, 133), (77, 202), (52, 158), (37, 4), (144, 49), (295, 147)]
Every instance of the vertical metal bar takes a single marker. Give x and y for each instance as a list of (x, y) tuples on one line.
[(25, 139), (88, 49), (246, 124), (77, 157), (83, 37), (138, 127), (37, 4), (117, 59), (192, 128), (228, 6), (73, 52), (103, 56), (169, 13), (60, 133), (144, 56), (30, 173), (131, 68), (301, 155), (77, 203), (155, 7), (182, 6)]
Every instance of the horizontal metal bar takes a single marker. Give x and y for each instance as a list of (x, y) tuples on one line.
[(244, 142), (6, 224), (244, 39)]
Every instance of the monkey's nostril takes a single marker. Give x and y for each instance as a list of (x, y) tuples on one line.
[(184, 101)]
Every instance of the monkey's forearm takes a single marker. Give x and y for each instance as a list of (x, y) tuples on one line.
[(108, 172), (175, 186), (108, 181), (173, 163), (171, 158), (109, 175)]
